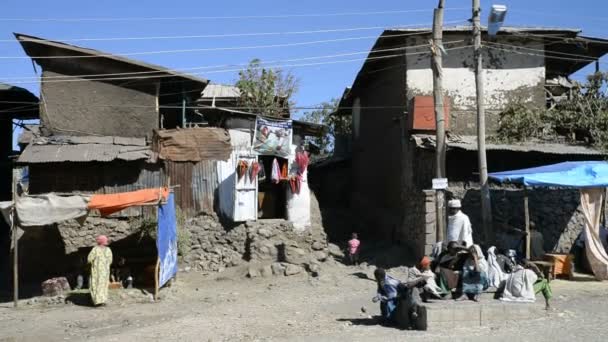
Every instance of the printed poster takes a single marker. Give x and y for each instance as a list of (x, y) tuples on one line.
[(272, 137), (166, 241)]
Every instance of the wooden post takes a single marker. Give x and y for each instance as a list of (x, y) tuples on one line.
[(436, 66), (15, 262), (486, 209), (14, 229), (156, 276), (527, 217)]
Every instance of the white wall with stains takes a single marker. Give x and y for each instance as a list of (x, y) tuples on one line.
[(508, 77)]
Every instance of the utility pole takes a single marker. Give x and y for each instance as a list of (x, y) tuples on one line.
[(436, 66), (486, 209)]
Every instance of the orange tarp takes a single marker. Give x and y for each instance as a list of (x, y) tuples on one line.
[(109, 204)]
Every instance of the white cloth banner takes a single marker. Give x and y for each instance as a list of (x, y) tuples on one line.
[(42, 210), (591, 203)]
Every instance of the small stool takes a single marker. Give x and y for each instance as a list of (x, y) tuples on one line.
[(562, 264), (547, 267)]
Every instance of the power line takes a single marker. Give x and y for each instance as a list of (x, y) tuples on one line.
[(591, 59), (275, 16), (230, 70), (211, 49), (543, 55), (230, 35), (182, 70)]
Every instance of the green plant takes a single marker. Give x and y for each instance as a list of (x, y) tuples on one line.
[(583, 116), (183, 234), (266, 91)]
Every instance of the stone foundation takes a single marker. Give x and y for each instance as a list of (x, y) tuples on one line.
[(76, 236), (270, 246)]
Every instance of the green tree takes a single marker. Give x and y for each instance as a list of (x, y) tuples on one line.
[(335, 124), (266, 91)]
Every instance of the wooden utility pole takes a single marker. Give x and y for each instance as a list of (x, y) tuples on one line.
[(436, 66), (486, 210), (14, 229)]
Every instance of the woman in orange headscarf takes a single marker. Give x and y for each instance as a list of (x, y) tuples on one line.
[(100, 260)]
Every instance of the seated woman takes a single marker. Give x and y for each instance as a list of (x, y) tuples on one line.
[(524, 283), (474, 275), (425, 278), (449, 265)]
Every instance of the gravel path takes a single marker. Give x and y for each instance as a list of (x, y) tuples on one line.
[(296, 308)]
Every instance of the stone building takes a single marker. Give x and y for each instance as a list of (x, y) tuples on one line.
[(109, 124), (391, 106)]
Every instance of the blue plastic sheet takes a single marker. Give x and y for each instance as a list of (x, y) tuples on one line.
[(166, 241), (583, 174)]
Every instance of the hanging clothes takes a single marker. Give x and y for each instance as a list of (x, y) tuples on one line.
[(253, 171), (242, 168), (284, 171), (302, 161), (275, 175)]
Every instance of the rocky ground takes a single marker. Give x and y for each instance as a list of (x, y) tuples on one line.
[(227, 307)]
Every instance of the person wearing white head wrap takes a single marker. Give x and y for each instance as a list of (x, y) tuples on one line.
[(459, 225)]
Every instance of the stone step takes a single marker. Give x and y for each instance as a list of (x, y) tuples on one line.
[(486, 312)]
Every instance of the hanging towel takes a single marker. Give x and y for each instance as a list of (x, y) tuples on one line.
[(276, 172), (112, 203), (42, 210)]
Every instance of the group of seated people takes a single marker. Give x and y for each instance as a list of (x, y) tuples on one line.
[(462, 273)]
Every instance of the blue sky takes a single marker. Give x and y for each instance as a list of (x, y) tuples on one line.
[(317, 83)]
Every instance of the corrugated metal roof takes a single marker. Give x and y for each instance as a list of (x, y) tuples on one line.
[(35, 46), (192, 144), (220, 90), (469, 143), (34, 153)]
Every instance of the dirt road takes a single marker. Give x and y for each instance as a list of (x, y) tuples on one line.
[(227, 307)]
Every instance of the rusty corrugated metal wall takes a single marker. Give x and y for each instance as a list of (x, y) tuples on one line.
[(195, 194), (197, 185)]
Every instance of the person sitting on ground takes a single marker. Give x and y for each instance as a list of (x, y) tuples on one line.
[(353, 249), (449, 265), (459, 226), (388, 295), (524, 283), (474, 274), (423, 273)]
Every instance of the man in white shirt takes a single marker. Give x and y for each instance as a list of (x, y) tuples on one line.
[(459, 225)]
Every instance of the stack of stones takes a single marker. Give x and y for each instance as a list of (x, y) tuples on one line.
[(76, 236), (271, 247)]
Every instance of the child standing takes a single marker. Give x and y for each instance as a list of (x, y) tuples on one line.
[(353, 249)]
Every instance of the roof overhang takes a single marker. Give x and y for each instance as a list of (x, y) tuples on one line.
[(469, 143), (62, 55)]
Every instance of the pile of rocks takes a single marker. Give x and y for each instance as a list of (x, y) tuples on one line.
[(271, 247)]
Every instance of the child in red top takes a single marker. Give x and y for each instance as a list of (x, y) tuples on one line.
[(353, 249)]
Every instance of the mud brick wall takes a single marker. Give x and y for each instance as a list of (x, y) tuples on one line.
[(418, 229)]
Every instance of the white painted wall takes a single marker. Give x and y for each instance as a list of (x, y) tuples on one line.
[(510, 72)]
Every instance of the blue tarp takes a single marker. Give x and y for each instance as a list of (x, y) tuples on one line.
[(166, 242), (583, 174)]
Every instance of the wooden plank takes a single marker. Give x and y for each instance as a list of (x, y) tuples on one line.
[(15, 228)]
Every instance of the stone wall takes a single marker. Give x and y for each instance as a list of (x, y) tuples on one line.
[(418, 228), (556, 212), (269, 246), (76, 236)]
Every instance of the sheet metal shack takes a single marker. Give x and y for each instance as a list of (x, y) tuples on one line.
[(106, 129), (110, 124)]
